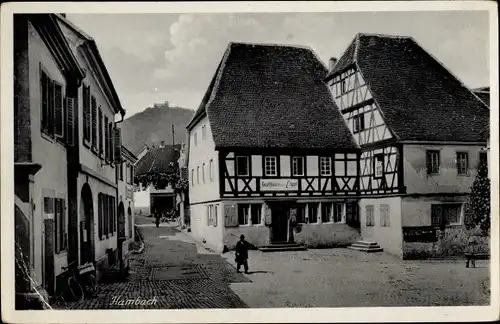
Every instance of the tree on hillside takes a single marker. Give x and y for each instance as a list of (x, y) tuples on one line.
[(477, 207)]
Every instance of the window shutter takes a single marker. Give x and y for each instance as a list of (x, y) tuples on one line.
[(45, 101), (57, 227), (106, 136), (267, 215), (70, 120), (230, 215), (64, 243), (429, 163), (215, 216), (94, 122), (101, 139), (58, 111), (100, 215), (86, 113), (118, 147), (51, 108)]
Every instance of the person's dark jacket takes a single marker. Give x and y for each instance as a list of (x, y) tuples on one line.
[(242, 250)]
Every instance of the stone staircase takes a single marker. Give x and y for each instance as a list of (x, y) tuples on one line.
[(366, 246), (277, 247)]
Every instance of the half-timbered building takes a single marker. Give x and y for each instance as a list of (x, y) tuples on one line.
[(419, 129), (270, 155)]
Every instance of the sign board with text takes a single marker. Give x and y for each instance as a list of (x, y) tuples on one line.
[(279, 184)]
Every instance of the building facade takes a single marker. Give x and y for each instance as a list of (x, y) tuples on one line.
[(126, 208), (46, 74), (419, 129), (273, 162)]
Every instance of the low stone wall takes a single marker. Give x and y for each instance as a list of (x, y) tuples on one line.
[(326, 235), (451, 243), (312, 235)]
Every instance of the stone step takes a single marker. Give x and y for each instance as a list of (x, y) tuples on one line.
[(282, 247), (362, 249), (375, 246), (367, 243)]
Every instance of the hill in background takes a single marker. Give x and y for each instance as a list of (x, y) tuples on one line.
[(154, 125)]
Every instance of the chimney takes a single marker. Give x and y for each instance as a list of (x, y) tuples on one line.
[(332, 63)]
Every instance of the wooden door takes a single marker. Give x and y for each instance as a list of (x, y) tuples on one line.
[(279, 227)]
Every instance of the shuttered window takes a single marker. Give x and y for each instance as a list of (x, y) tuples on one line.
[(58, 111), (70, 120), (60, 224), (432, 162), (86, 114), (101, 139), (117, 144), (45, 113), (111, 143), (52, 116), (106, 136), (370, 216), (94, 122), (462, 163), (100, 215)]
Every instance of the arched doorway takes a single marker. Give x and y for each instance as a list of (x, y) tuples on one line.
[(130, 222), (86, 225)]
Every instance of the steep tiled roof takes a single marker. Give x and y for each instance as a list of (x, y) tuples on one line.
[(419, 97), (483, 94), (158, 160), (273, 96)]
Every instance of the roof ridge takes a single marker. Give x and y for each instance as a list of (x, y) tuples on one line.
[(272, 45), (383, 35), (449, 72)]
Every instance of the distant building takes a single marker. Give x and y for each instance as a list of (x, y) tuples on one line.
[(270, 155), (419, 129), (162, 159)]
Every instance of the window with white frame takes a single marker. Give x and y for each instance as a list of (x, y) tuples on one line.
[(462, 163), (301, 213), (446, 214), (385, 216), (378, 165), (242, 168), (312, 212), (370, 215), (326, 212), (433, 162), (211, 169), (243, 214), (256, 213), (359, 123), (337, 213), (298, 166), (325, 165), (270, 166)]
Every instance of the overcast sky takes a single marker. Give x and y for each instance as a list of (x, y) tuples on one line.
[(154, 58)]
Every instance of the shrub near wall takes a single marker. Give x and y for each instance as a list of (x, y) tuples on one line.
[(451, 242)]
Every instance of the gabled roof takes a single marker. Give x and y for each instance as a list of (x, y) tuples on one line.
[(91, 47), (483, 94), (272, 96), (420, 99), (159, 160), (47, 27), (128, 155)]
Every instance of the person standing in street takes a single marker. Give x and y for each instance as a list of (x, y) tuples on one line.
[(157, 218), (242, 254)]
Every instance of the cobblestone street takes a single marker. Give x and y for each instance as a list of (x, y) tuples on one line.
[(170, 274)]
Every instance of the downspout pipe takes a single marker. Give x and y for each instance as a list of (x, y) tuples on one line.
[(119, 248)]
